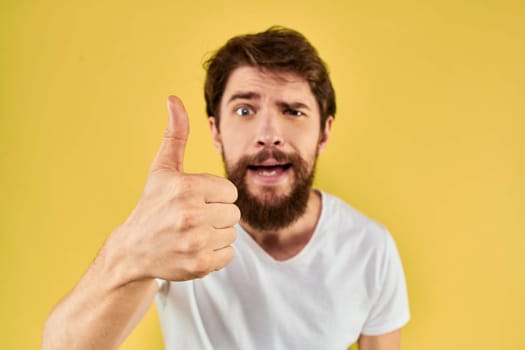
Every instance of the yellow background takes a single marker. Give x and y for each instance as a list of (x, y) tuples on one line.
[(428, 140)]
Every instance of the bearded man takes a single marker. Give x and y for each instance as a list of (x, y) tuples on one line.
[(258, 261)]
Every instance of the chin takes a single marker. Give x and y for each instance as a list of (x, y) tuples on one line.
[(269, 195)]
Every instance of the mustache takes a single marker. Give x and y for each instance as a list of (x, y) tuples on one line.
[(266, 154), (238, 170)]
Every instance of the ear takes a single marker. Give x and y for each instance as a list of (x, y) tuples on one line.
[(215, 135), (325, 134)]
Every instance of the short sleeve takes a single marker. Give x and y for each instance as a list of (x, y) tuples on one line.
[(390, 309)]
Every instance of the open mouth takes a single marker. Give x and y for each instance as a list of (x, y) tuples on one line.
[(270, 170)]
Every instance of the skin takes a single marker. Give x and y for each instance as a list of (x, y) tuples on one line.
[(192, 241), (388, 341), (195, 238), (261, 110)]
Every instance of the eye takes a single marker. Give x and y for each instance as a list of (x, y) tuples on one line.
[(293, 112), (243, 111)]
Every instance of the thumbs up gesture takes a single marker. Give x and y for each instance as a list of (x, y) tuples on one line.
[(182, 227)]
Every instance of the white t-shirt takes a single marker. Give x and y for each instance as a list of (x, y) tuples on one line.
[(348, 280)]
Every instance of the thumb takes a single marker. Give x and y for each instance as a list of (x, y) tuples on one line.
[(171, 152)]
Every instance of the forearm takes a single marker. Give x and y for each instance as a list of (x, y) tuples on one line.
[(181, 229), (100, 311), (387, 341)]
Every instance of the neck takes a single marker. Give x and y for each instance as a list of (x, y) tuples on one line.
[(287, 242)]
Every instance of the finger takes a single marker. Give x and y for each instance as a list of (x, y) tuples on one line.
[(221, 215), (218, 189), (220, 238), (171, 152), (223, 257)]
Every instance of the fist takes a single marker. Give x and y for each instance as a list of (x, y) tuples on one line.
[(182, 227)]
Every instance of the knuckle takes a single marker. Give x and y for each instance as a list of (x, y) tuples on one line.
[(232, 190), (193, 243), (229, 235), (185, 185), (233, 235), (227, 188), (222, 186), (236, 213), (186, 220), (228, 253), (201, 265)]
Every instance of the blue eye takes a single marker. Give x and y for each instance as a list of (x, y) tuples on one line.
[(243, 111)]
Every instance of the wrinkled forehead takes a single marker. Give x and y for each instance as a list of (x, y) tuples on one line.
[(280, 77), (268, 83)]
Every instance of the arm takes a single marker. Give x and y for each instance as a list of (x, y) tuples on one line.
[(181, 229), (388, 341), (98, 313), (390, 309)]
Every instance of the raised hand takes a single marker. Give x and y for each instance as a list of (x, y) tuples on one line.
[(182, 227)]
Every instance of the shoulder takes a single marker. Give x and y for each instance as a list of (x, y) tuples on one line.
[(364, 246), (351, 225), (356, 240)]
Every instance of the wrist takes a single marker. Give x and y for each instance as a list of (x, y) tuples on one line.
[(116, 260)]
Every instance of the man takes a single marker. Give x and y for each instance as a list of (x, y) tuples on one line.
[(309, 271)]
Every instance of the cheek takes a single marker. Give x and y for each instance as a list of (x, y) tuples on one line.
[(307, 146), (235, 140), (230, 152), (310, 156)]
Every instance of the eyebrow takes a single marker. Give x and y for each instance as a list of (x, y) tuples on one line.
[(293, 105), (255, 96), (244, 96)]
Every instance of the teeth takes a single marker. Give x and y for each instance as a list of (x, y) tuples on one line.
[(267, 172)]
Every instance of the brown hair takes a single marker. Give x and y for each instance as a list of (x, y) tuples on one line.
[(277, 49)]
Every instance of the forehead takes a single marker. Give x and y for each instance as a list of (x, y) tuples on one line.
[(269, 84)]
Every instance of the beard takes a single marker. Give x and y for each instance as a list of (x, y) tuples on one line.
[(270, 211)]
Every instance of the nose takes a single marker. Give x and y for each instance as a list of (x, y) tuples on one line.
[(269, 132), (267, 141)]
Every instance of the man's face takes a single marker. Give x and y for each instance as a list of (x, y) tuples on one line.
[(269, 136)]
